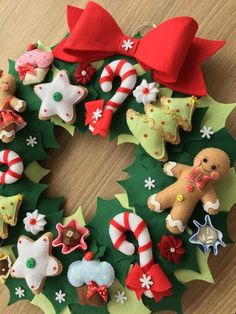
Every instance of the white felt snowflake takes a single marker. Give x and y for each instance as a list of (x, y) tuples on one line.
[(120, 297), (19, 292), (146, 92), (146, 281), (149, 183), (31, 141), (127, 44), (60, 296), (97, 114), (206, 132)]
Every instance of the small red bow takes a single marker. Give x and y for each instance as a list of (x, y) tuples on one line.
[(93, 288), (171, 49), (159, 284), (24, 69), (200, 179)]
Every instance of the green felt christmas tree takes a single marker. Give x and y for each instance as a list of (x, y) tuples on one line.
[(161, 123)]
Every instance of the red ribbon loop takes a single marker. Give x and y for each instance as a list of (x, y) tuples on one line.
[(171, 49), (159, 287)]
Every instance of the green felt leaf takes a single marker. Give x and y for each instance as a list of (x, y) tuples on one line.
[(78, 215), (35, 172), (42, 302), (86, 309), (131, 305), (186, 275), (168, 303), (216, 114), (42, 46), (124, 201), (227, 196), (126, 138), (68, 127)]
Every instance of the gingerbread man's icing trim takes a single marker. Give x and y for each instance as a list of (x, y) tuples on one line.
[(209, 204)]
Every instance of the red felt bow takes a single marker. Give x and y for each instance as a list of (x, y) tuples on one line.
[(171, 49), (200, 179), (93, 288), (159, 285), (23, 70)]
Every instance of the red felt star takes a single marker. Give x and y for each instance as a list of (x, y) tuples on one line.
[(84, 73), (171, 248)]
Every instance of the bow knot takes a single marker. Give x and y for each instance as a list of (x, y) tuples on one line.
[(152, 282), (93, 288), (198, 178), (24, 69), (170, 50)]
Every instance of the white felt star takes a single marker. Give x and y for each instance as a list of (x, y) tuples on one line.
[(60, 296), (206, 132), (97, 114), (31, 141), (59, 97), (120, 297), (35, 261), (20, 292)]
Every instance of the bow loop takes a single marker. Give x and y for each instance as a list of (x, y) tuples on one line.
[(152, 282), (93, 288)]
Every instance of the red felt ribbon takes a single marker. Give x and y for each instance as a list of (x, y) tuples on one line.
[(171, 49), (93, 288), (198, 178), (160, 286), (27, 68)]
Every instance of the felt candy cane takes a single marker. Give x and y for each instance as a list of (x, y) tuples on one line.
[(131, 222), (99, 114), (148, 278)]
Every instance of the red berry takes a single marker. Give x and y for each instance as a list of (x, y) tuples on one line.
[(88, 256), (32, 221), (31, 47)]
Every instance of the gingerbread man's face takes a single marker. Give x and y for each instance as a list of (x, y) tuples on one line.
[(213, 162), (7, 84)]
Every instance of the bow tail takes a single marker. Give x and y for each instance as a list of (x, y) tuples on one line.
[(100, 126)]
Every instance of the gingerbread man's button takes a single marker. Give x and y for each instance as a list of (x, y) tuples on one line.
[(180, 197), (190, 188)]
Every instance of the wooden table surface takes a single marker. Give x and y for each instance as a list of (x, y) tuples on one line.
[(26, 21)]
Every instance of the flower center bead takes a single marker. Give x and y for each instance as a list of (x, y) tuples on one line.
[(84, 73), (31, 262), (172, 249), (33, 221), (57, 96), (145, 90)]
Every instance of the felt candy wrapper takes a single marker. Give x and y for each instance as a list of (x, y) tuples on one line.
[(170, 49)]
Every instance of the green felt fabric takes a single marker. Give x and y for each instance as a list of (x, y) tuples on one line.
[(86, 309)]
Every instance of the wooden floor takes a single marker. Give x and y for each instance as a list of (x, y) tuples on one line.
[(25, 21)]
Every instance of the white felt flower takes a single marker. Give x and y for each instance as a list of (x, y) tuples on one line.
[(127, 44), (146, 92), (34, 222), (20, 292), (146, 281), (60, 296), (120, 297), (150, 183)]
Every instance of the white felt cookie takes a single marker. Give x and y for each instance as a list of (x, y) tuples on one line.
[(59, 98), (35, 261)]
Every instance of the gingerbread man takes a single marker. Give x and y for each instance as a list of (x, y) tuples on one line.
[(10, 121), (194, 184)]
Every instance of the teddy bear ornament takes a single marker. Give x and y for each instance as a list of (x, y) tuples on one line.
[(10, 121), (194, 184)]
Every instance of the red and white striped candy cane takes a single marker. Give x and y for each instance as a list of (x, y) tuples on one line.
[(128, 75), (15, 167), (98, 114), (131, 222)]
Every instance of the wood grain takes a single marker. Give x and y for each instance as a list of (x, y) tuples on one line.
[(86, 167)]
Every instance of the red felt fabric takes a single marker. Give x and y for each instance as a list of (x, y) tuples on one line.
[(161, 285), (171, 49)]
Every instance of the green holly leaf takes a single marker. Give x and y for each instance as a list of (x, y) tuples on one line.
[(15, 283)]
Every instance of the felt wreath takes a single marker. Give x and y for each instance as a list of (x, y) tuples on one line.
[(91, 267)]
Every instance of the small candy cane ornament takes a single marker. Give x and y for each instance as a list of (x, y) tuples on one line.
[(99, 114), (146, 278)]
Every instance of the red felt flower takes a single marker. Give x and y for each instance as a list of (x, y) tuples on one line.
[(171, 248), (84, 73)]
